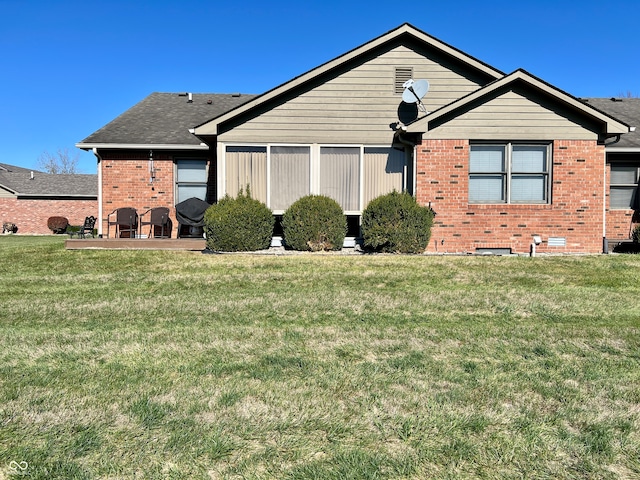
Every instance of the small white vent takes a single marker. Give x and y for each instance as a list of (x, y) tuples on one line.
[(557, 242), (402, 75)]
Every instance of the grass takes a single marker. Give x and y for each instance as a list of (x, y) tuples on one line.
[(137, 364)]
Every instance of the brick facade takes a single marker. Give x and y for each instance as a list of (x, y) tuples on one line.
[(126, 182), (30, 216), (576, 211)]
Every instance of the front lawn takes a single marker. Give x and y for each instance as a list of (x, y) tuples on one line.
[(142, 364)]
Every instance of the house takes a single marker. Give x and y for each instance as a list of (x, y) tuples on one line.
[(29, 197), (500, 158)]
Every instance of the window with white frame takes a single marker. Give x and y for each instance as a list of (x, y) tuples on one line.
[(623, 185), (278, 175), (509, 173), (191, 179), (246, 166), (289, 175)]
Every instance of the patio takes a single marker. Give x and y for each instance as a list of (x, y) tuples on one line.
[(135, 243)]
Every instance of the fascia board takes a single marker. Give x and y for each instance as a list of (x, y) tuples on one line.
[(54, 195), (9, 189), (622, 149), (139, 146), (211, 127)]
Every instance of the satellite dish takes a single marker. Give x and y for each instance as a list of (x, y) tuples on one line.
[(413, 92)]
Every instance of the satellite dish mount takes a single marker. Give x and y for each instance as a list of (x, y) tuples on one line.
[(413, 92)]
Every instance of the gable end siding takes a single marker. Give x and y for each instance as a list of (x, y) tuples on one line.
[(517, 115), (355, 105)]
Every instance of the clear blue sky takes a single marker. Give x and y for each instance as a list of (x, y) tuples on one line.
[(69, 67)]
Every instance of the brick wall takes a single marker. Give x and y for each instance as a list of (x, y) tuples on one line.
[(31, 215), (575, 213), (126, 182)]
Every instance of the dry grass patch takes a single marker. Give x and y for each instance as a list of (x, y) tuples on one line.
[(182, 365)]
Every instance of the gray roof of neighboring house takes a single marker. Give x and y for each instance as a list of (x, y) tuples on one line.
[(624, 109), (19, 181), (165, 119)]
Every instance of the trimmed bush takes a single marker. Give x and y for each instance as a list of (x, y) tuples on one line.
[(635, 234), (240, 224), (395, 223), (57, 224), (314, 223)]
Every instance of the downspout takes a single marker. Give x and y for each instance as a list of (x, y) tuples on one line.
[(605, 242), (95, 152)]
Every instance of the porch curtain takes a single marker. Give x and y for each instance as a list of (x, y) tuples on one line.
[(290, 175), (246, 166), (340, 175), (383, 172)]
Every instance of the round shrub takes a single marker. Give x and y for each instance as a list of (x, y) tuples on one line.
[(395, 223), (314, 223), (635, 234), (57, 224), (240, 224)]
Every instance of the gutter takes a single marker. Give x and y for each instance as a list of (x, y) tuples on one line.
[(140, 146)]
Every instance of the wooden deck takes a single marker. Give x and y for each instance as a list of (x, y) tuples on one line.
[(196, 244)]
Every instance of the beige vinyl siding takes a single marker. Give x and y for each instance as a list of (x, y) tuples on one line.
[(6, 194), (513, 116), (355, 107)]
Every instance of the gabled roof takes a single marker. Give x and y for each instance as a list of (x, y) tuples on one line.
[(20, 182), (610, 125), (406, 30), (627, 110), (163, 121)]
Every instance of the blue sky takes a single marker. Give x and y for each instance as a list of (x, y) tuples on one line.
[(70, 67)]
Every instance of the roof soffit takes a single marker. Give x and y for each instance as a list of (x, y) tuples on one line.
[(406, 34)]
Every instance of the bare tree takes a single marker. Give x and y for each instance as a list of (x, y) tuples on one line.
[(628, 94), (60, 162)]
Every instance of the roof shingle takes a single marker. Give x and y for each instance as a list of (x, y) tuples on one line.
[(19, 181), (625, 109), (165, 119)]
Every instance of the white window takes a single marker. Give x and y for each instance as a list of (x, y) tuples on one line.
[(278, 175), (246, 166), (290, 174), (191, 179), (340, 175), (509, 173), (623, 186)]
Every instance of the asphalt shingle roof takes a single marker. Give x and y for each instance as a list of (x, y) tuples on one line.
[(165, 119), (18, 180), (624, 109)]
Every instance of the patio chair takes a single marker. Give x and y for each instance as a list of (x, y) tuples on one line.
[(158, 220), (87, 227), (125, 221)]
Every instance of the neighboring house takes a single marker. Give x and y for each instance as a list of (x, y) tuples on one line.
[(29, 197), (500, 158)]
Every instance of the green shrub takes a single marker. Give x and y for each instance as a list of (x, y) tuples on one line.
[(635, 234), (396, 223), (57, 224), (314, 223), (238, 224)]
